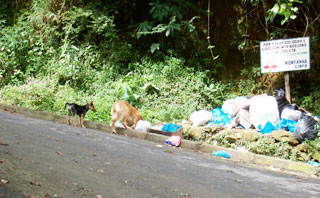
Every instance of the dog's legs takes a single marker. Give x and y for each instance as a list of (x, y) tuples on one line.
[(124, 122), (134, 125), (73, 121), (113, 121), (69, 117), (82, 120)]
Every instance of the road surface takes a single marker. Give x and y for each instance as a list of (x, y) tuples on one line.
[(40, 158)]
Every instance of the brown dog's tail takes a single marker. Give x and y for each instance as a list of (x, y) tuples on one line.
[(65, 106)]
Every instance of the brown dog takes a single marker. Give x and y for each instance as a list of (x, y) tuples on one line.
[(128, 114)]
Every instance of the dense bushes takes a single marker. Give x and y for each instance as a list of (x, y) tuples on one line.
[(163, 91), (78, 51)]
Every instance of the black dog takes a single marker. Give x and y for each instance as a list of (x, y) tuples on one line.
[(81, 111)]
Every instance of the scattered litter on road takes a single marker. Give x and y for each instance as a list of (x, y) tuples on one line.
[(108, 163), (4, 181), (274, 169), (167, 151), (184, 195), (3, 144), (174, 140), (221, 154), (100, 171), (243, 149), (35, 183), (313, 163)]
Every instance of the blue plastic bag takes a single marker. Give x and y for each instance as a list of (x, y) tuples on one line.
[(219, 117), (221, 154), (288, 125), (171, 127), (268, 128), (313, 163)]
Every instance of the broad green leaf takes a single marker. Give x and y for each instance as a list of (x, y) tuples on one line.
[(143, 28), (275, 9), (154, 47), (159, 11), (294, 9), (287, 14), (283, 8), (167, 32), (175, 12), (293, 16)]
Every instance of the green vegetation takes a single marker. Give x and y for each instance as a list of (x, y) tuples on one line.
[(158, 55)]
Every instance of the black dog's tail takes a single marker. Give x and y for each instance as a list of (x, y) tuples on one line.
[(65, 106)]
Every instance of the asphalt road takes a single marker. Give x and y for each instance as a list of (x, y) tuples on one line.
[(39, 158)]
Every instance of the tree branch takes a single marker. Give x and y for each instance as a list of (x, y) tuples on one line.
[(208, 37), (307, 20)]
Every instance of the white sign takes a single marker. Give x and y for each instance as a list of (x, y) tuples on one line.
[(285, 55)]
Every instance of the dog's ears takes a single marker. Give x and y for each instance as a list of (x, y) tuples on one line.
[(91, 103)]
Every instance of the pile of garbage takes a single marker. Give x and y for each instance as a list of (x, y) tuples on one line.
[(259, 115), (263, 113), (264, 117)]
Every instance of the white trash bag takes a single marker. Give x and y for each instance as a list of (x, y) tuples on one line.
[(143, 125), (291, 114), (263, 110), (201, 117), (233, 106)]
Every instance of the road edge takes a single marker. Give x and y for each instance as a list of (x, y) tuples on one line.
[(235, 155)]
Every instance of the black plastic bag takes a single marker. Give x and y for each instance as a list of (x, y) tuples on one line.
[(283, 103), (281, 99), (307, 128)]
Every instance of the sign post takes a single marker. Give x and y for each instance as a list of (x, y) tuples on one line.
[(285, 55), (287, 86)]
